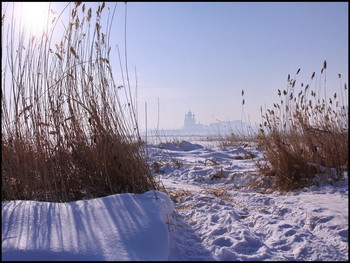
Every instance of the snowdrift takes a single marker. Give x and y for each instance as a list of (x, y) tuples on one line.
[(118, 227)]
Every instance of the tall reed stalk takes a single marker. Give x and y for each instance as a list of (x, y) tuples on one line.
[(305, 134), (68, 133)]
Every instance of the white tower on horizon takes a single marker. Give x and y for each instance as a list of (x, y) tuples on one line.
[(190, 122)]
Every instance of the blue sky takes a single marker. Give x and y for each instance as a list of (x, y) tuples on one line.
[(199, 56)]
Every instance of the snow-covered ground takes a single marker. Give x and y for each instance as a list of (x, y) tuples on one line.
[(211, 211)]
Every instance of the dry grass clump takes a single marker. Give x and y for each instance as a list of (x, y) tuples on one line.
[(236, 139), (219, 174), (179, 195), (246, 156), (219, 192), (67, 133), (304, 129)]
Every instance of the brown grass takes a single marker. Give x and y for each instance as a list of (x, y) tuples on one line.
[(179, 195), (304, 128), (219, 192), (67, 131)]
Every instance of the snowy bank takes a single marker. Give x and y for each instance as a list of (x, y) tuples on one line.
[(118, 227)]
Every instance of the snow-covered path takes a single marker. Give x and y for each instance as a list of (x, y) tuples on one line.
[(219, 219), (245, 226), (210, 211)]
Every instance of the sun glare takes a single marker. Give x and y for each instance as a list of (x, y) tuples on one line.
[(34, 16)]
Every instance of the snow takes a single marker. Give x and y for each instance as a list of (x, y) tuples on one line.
[(210, 211), (118, 227)]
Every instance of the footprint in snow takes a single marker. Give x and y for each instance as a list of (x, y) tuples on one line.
[(185, 241)]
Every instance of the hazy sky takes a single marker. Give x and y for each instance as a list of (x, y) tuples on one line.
[(199, 56)]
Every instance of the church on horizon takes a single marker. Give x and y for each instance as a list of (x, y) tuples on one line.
[(190, 128), (226, 127), (190, 122)]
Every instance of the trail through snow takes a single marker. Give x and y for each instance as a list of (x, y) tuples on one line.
[(218, 216), (212, 210)]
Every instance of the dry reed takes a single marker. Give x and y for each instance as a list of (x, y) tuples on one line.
[(67, 131), (303, 133)]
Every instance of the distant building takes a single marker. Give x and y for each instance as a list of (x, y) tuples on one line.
[(192, 128), (222, 127), (190, 123)]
